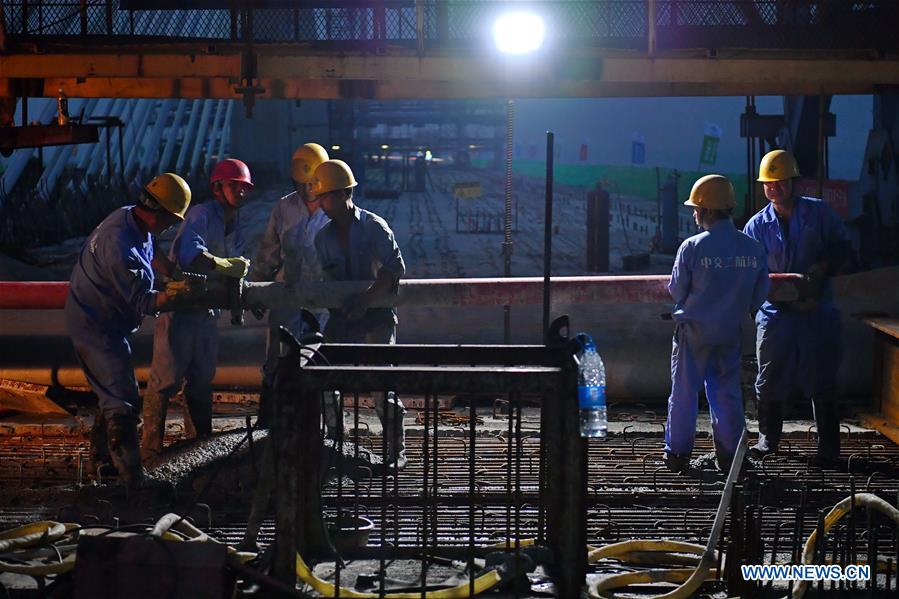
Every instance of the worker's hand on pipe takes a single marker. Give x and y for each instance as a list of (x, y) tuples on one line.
[(811, 287), (814, 279), (236, 268), (189, 291)]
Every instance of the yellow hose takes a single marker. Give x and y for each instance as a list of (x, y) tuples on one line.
[(690, 579), (482, 583), (31, 534), (681, 575), (626, 547), (172, 527), (36, 533), (868, 500)]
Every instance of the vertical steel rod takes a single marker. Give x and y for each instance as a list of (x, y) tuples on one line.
[(472, 417), (425, 504), (547, 234), (436, 533), (507, 220)]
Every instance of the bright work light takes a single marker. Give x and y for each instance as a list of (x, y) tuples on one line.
[(518, 32)]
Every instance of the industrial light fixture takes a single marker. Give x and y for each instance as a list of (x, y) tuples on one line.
[(385, 147), (335, 148), (518, 32)]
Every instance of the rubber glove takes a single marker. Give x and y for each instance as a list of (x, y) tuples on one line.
[(236, 268)]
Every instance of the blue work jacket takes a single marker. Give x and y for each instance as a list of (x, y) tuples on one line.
[(719, 277), (815, 233), (111, 287)]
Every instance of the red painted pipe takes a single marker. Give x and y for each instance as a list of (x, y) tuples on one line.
[(33, 295), (514, 291)]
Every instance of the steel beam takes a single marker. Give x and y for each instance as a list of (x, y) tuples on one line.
[(20, 158), (285, 72)]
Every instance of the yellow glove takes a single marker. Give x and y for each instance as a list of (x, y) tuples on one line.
[(187, 291), (232, 267)]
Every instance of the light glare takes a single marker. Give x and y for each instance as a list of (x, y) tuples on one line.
[(518, 32)]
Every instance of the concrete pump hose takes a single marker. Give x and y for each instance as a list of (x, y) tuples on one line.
[(482, 583), (680, 575), (690, 579), (173, 527), (32, 534), (868, 500), (626, 547)]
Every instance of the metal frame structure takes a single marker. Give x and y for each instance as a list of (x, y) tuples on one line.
[(545, 373), (404, 49)]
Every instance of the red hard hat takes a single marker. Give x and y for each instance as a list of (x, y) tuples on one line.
[(231, 169)]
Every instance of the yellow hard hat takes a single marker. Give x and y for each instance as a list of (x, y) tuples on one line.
[(305, 160), (171, 191), (332, 175), (778, 165), (713, 192)]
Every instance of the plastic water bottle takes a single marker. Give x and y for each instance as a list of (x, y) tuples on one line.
[(591, 392)]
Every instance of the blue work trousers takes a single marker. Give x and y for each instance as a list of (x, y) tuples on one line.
[(798, 351), (105, 358), (185, 350), (694, 364)]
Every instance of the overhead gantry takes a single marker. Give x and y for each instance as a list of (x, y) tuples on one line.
[(393, 49)]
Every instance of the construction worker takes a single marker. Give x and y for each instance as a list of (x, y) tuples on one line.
[(798, 345), (358, 245), (719, 277), (110, 292), (185, 343), (287, 253)]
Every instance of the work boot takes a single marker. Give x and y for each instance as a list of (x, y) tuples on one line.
[(676, 463), (121, 431), (200, 411), (770, 429), (827, 422), (153, 433), (391, 413), (266, 405), (99, 453)]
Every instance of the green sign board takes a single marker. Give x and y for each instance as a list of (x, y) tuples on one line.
[(709, 152)]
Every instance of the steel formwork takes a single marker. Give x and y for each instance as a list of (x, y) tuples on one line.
[(459, 503)]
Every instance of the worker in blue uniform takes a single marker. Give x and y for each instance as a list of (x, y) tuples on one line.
[(719, 278), (287, 253), (110, 292), (798, 345), (358, 245), (185, 343)]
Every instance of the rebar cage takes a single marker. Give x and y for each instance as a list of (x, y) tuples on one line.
[(464, 495)]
